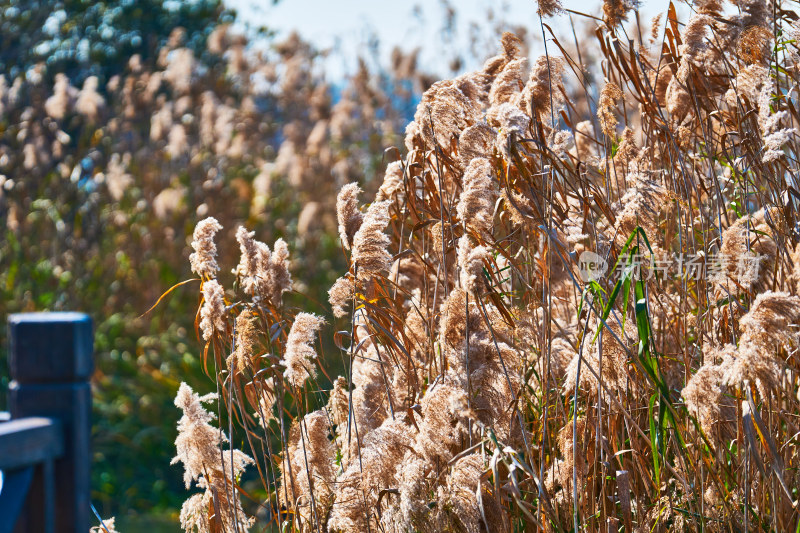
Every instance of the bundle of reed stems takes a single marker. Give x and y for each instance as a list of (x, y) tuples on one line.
[(571, 304)]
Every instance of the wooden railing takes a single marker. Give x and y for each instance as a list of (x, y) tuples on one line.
[(44, 447)]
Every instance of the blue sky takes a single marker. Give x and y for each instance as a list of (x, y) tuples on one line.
[(350, 24)]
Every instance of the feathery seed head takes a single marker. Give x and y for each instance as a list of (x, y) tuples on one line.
[(370, 244), (204, 258), (347, 213), (212, 314), (605, 109), (300, 356)]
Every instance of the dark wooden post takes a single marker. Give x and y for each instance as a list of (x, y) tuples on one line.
[(51, 362)]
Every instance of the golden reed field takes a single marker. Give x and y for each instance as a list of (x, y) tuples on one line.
[(572, 304)]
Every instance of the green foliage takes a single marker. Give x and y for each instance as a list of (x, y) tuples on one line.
[(83, 38)]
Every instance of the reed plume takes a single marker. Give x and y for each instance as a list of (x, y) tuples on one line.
[(300, 356), (204, 258), (199, 447), (350, 218), (370, 243), (212, 313)]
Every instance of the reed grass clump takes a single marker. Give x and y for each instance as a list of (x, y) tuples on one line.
[(571, 305)]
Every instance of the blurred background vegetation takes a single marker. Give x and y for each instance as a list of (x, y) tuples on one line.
[(124, 123)]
